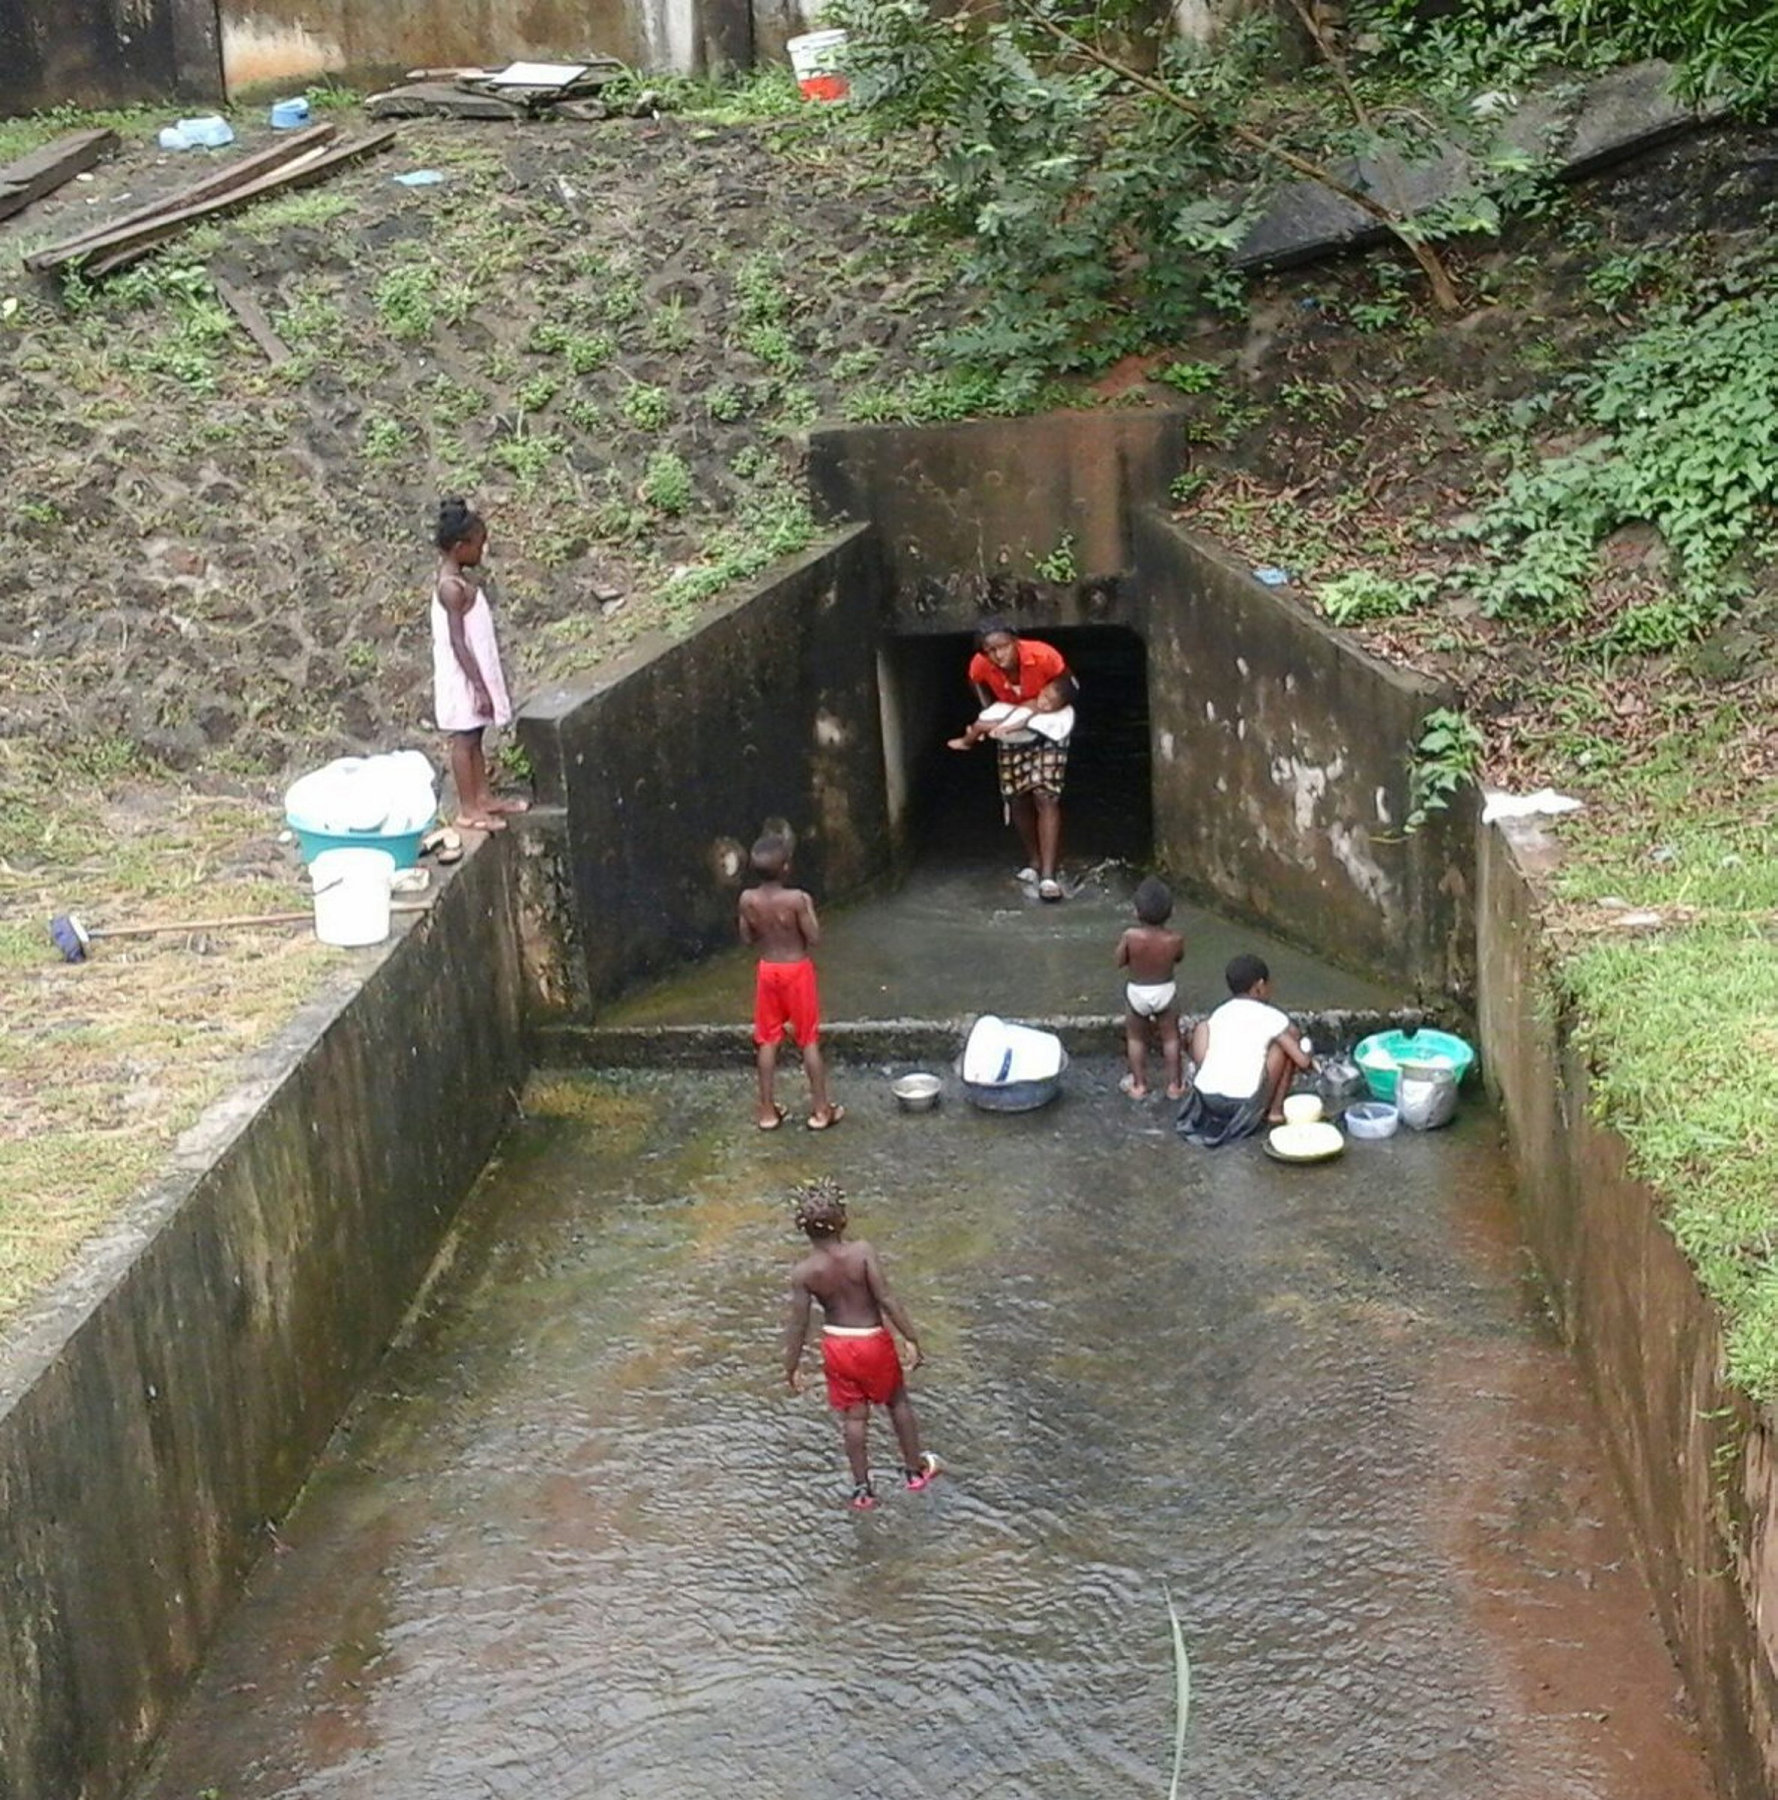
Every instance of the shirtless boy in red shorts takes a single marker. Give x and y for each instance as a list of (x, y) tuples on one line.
[(781, 921), (857, 1352)]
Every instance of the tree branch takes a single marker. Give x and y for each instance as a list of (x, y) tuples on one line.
[(1444, 290)]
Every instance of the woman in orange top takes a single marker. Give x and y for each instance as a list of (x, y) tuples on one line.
[(1016, 670)]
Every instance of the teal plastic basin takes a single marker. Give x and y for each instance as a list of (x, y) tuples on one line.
[(1381, 1056), (404, 846)]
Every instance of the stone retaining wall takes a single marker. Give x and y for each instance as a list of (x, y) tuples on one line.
[(1696, 1463), (162, 1406)]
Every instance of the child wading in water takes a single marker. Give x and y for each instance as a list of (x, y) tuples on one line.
[(857, 1352), (781, 921), (1151, 953), (469, 691)]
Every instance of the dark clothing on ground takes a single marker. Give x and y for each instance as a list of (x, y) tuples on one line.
[(1210, 1120)]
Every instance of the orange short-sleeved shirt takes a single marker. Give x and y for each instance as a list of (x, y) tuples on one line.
[(1039, 665)]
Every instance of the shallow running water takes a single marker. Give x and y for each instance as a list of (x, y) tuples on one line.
[(578, 1541), (961, 939)]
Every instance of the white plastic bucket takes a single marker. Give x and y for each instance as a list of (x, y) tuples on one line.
[(815, 59), (352, 896)]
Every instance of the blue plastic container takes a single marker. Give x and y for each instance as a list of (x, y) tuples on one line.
[(1381, 1056), (404, 846), (290, 115)]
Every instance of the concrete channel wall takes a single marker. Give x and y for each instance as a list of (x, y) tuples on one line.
[(966, 513), (161, 1407), (668, 768), (107, 52), (1281, 768), (1697, 1464), (1280, 750)]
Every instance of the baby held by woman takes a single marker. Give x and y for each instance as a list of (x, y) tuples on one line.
[(1050, 715)]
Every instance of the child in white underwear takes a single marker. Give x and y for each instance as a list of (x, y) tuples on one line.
[(1050, 716), (1150, 953)]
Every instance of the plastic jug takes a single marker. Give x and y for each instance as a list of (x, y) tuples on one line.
[(210, 132)]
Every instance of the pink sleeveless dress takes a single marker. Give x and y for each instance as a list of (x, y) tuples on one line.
[(453, 699)]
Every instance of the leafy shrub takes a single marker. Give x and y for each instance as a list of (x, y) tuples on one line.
[(1362, 595), (1724, 46), (1447, 757), (666, 483), (1686, 422)]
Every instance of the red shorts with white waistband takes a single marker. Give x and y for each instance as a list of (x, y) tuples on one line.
[(785, 994), (860, 1370)]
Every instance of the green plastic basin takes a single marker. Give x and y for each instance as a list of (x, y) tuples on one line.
[(1381, 1056)]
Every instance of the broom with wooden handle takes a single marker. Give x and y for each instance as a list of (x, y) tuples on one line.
[(73, 938)]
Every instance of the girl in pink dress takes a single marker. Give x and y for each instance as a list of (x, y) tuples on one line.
[(469, 691)]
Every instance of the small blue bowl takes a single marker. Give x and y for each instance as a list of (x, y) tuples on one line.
[(404, 846)]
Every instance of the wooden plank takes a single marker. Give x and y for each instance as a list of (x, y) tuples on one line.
[(248, 169), (46, 168), (440, 99), (106, 256), (98, 253), (253, 321)]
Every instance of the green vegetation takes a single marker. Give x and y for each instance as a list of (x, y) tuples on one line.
[(647, 408), (766, 529), (1095, 194), (1060, 565), (667, 483), (1724, 46), (1447, 758), (407, 301), (1680, 1025), (1361, 596), (1683, 419)]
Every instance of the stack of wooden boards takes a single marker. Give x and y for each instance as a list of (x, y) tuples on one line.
[(292, 162), (522, 90), (48, 166)]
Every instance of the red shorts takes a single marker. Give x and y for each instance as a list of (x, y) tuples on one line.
[(860, 1369), (785, 994)]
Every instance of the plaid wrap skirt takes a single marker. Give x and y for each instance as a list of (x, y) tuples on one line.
[(1036, 767)]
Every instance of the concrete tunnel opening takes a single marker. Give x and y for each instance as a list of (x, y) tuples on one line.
[(944, 807)]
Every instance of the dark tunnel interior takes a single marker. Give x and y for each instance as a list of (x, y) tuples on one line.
[(953, 811)]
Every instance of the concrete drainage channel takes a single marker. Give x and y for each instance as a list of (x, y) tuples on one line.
[(172, 1397)]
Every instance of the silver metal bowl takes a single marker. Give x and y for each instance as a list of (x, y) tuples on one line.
[(918, 1092)]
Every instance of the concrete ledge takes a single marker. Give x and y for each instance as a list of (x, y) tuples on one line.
[(885, 1040), (166, 1400), (1697, 1463)]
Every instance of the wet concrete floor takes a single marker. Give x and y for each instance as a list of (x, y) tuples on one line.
[(957, 940), (578, 1543)]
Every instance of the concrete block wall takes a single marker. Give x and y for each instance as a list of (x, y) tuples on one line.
[(296, 40), (1280, 750), (164, 1404)]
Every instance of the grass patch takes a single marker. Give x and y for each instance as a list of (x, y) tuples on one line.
[(1681, 1027), (1682, 1032), (105, 1063)]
